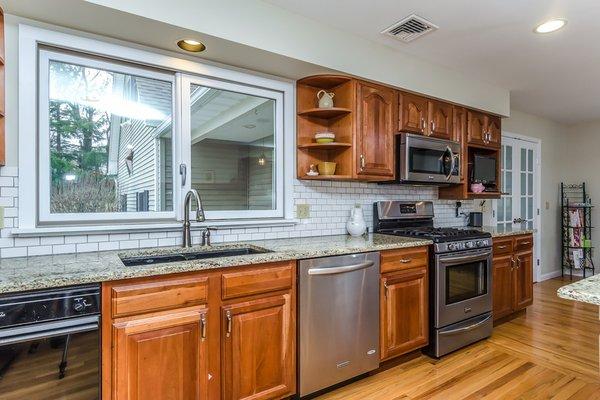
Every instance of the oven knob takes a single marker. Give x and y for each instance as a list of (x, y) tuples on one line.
[(469, 245), (480, 243), (78, 306), (451, 247)]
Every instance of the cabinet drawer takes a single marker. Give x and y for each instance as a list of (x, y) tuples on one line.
[(523, 243), (247, 283), (138, 298), (395, 260), (503, 246)]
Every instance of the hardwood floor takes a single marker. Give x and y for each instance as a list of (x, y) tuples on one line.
[(549, 352)]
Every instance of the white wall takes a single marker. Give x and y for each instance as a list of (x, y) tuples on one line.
[(555, 141)]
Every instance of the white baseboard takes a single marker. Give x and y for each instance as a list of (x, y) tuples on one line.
[(550, 275)]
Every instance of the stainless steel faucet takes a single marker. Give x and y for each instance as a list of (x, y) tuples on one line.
[(187, 237)]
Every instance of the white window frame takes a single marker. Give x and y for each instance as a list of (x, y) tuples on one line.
[(45, 216), (30, 40)]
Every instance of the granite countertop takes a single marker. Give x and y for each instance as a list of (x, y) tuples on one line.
[(586, 290), (512, 231), (28, 273)]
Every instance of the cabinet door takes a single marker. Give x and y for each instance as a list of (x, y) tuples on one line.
[(161, 357), (413, 113), (503, 286), (523, 280), (459, 134), (476, 128), (404, 312), (375, 133), (258, 349), (494, 131), (440, 120)]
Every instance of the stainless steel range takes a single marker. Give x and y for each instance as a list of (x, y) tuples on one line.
[(460, 273)]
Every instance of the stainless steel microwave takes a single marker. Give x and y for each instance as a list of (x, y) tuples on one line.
[(426, 160)]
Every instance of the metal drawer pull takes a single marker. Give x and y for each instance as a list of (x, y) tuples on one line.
[(362, 162), (503, 246), (385, 286), (467, 328), (526, 243), (340, 270), (228, 316), (203, 326), (405, 260)]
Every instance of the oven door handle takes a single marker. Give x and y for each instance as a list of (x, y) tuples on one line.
[(467, 328), (48, 329), (472, 257)]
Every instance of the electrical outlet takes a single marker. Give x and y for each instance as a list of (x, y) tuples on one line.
[(303, 211)]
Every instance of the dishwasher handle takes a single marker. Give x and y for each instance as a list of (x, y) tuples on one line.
[(340, 270)]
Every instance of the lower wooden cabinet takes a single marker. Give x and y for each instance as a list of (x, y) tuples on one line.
[(258, 349), (404, 325), (512, 275), (182, 352), (161, 357)]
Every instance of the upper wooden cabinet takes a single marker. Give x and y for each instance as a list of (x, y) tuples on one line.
[(483, 130), (258, 349), (413, 113), (440, 120), (376, 110), (161, 357)]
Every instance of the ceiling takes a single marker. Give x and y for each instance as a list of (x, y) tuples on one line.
[(554, 75)]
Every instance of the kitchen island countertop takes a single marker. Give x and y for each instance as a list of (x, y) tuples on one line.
[(585, 291)]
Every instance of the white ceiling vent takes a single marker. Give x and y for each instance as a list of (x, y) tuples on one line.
[(410, 28)]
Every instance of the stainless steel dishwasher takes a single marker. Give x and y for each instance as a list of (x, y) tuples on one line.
[(339, 319)]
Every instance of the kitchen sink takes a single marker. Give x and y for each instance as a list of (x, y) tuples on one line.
[(192, 255)]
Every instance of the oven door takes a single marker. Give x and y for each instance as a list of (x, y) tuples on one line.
[(424, 159), (463, 286), (56, 360)]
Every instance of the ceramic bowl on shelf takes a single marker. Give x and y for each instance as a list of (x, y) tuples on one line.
[(326, 168), (324, 137), (477, 188)]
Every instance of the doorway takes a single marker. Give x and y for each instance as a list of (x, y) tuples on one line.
[(521, 186)]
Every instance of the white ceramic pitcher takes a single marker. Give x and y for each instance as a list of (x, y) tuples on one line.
[(356, 225)]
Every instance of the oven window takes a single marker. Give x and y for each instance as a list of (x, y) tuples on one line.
[(426, 161), (465, 281), (62, 367)]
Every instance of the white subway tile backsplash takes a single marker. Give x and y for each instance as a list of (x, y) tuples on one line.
[(330, 204)]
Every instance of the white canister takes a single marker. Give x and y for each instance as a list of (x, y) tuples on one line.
[(356, 225)]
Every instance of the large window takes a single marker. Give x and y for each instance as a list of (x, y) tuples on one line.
[(105, 139), (125, 140)]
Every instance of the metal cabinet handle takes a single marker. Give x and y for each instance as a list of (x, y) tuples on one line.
[(432, 126), (422, 124), (502, 247), (525, 243), (386, 289), (362, 162), (512, 263), (518, 263), (228, 316), (203, 326), (405, 260)]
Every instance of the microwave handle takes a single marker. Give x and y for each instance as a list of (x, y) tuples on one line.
[(452, 163)]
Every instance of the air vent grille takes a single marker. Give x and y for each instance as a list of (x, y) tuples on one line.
[(410, 28)]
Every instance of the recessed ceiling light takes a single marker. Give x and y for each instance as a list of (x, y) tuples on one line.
[(191, 45), (249, 126), (550, 25)]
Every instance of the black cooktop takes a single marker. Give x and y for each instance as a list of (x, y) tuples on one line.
[(438, 235)]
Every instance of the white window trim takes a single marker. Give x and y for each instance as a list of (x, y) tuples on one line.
[(30, 38)]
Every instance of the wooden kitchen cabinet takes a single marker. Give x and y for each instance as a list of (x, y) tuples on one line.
[(376, 111), (512, 274), (161, 357), (413, 110), (440, 121), (172, 346), (483, 130), (258, 349), (404, 305)]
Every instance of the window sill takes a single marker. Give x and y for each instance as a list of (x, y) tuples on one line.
[(137, 228)]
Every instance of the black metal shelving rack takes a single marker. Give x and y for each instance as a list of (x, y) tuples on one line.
[(574, 197)]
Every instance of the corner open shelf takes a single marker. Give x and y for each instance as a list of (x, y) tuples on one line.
[(338, 119)]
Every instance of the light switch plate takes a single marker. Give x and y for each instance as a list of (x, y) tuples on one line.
[(303, 211)]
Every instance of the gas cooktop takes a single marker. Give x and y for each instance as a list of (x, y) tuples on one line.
[(438, 235)]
